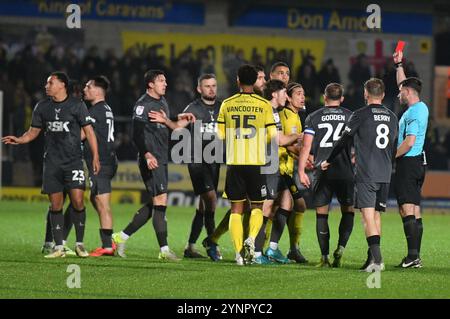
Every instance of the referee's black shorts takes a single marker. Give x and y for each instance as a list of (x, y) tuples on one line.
[(245, 181), (204, 177), (409, 177)]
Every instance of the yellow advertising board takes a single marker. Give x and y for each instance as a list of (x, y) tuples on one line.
[(171, 45)]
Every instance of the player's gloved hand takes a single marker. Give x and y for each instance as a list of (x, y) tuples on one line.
[(152, 162), (304, 179), (187, 116), (13, 140), (157, 116)]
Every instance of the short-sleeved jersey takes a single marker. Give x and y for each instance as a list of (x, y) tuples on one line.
[(205, 126), (246, 123), (291, 124), (326, 125), (156, 135), (61, 123), (414, 122), (103, 123), (375, 131)]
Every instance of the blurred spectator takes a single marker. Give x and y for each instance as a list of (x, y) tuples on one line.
[(328, 74), (360, 71), (350, 100), (180, 95), (435, 149), (389, 78), (231, 63), (307, 77), (124, 148)]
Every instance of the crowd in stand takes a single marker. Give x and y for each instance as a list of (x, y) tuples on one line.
[(23, 73)]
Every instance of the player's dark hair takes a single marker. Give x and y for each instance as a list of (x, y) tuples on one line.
[(151, 75), (271, 87), (259, 68), (291, 87), (277, 64), (62, 76), (413, 83), (334, 91), (374, 87), (247, 74), (205, 76), (101, 81)]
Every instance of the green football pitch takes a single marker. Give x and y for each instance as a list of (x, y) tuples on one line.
[(26, 274)]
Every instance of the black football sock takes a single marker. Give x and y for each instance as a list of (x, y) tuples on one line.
[(160, 225), (196, 227), (411, 233), (419, 234), (323, 233), (374, 246), (57, 220), (345, 228), (48, 228), (68, 223), (105, 235), (210, 224), (278, 224), (139, 219), (259, 240), (79, 221)]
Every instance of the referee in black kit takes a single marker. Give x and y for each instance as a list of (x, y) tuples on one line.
[(410, 160)]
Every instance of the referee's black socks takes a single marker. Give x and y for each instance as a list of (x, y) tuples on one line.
[(323, 233), (419, 234), (160, 225), (139, 219), (412, 235), (374, 246)]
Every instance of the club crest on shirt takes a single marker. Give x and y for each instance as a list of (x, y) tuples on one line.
[(139, 110)]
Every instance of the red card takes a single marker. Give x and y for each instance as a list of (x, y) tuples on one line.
[(400, 46)]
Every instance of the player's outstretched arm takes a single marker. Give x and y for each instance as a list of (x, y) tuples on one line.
[(161, 117), (27, 137), (92, 139)]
